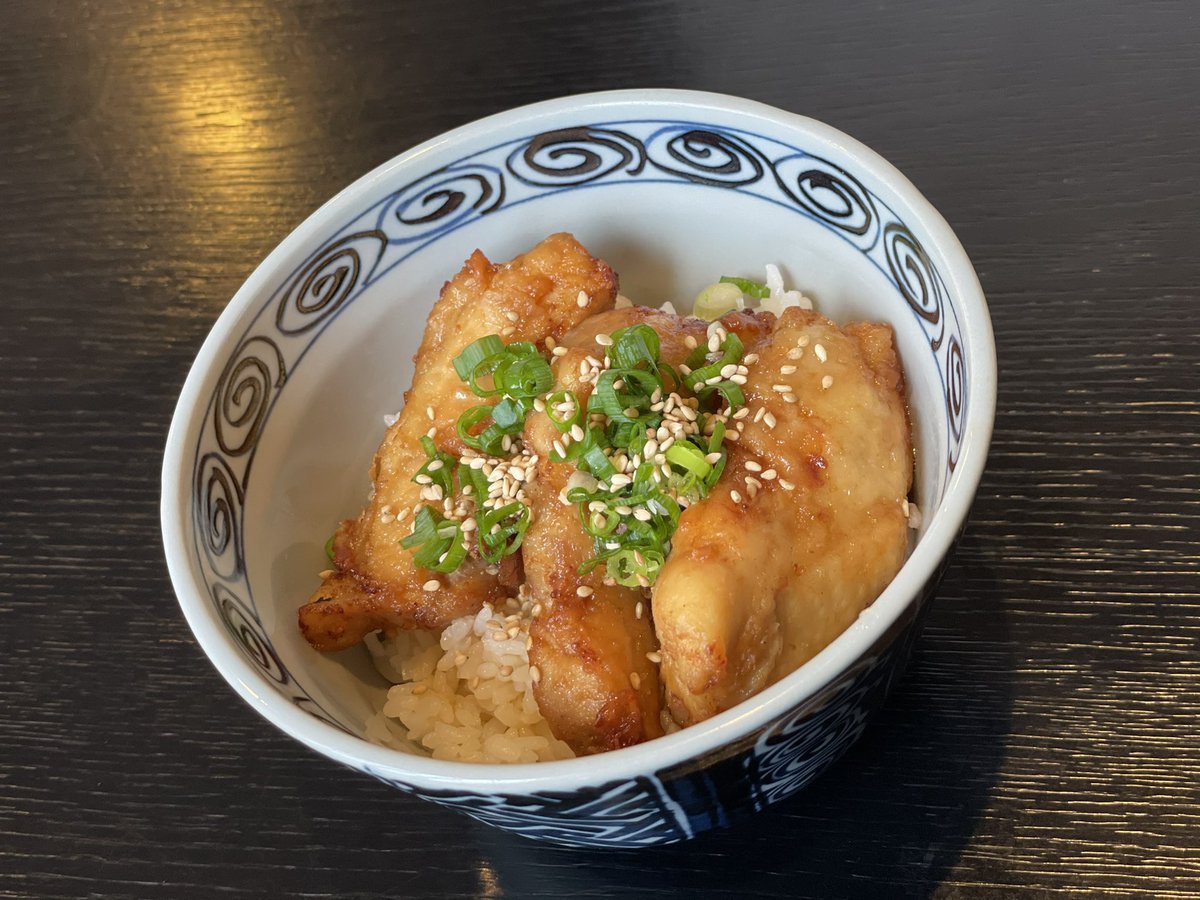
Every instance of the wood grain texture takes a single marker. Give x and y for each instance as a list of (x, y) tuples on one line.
[(1046, 738)]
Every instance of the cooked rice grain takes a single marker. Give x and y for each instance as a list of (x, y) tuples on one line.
[(453, 698)]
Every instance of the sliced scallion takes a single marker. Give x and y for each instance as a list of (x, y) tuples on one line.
[(750, 288)]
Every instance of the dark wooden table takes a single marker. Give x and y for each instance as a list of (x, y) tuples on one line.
[(1047, 737)]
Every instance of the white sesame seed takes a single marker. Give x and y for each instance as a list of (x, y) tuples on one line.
[(507, 331), (728, 371), (795, 353), (643, 515), (769, 475), (789, 398), (786, 370), (689, 342), (713, 458), (535, 674), (786, 485), (431, 585), (752, 466), (551, 343), (631, 412), (635, 680), (643, 581), (582, 300), (619, 480), (654, 656), (781, 388), (750, 359), (577, 432), (802, 341), (423, 479), (827, 382), (604, 340), (429, 412), (752, 487), (904, 508), (584, 591), (559, 351), (732, 436), (510, 315), (742, 413), (759, 413), (434, 465), (738, 379), (637, 610), (770, 420), (539, 405), (735, 496), (820, 351), (431, 433)]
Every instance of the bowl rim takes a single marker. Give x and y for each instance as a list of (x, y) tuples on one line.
[(698, 740)]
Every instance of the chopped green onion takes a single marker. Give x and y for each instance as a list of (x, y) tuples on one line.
[(689, 457), (527, 376), (438, 468), (627, 564), (437, 540), (475, 480), (595, 461), (716, 300), (732, 351), (633, 346), (563, 421), (510, 523), (732, 394), (475, 353), (509, 414), (329, 547), (718, 435), (468, 420), (755, 289)]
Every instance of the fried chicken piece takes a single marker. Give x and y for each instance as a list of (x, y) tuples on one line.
[(598, 691), (759, 582), (377, 585)]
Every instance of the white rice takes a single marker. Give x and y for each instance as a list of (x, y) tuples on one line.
[(466, 697)]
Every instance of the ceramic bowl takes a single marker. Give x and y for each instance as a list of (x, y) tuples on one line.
[(284, 406)]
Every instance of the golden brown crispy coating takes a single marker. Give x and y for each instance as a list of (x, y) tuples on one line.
[(759, 581), (377, 585), (591, 651)]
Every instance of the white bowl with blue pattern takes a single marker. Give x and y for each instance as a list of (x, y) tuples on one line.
[(284, 406)]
